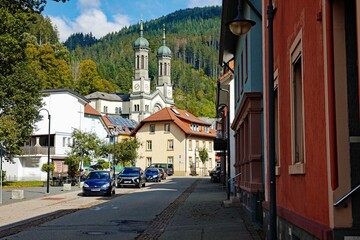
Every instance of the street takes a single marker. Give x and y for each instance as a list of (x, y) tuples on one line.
[(177, 208)]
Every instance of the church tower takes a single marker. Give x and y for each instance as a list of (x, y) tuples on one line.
[(141, 81), (140, 102), (164, 69)]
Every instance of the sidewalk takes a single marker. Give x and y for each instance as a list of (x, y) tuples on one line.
[(203, 216)]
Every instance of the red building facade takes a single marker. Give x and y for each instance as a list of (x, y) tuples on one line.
[(316, 102)]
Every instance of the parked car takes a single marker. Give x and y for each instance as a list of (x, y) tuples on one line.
[(163, 173), (215, 174), (131, 176), (99, 183), (168, 167), (153, 175)]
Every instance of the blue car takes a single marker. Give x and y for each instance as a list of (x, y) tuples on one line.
[(153, 175), (99, 183)]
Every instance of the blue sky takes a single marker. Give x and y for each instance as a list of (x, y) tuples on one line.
[(104, 16)]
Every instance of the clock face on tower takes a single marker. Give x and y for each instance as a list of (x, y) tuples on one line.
[(146, 86), (137, 86)]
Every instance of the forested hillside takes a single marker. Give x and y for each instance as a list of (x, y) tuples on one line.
[(191, 34)]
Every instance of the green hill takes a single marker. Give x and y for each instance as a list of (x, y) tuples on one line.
[(191, 34)]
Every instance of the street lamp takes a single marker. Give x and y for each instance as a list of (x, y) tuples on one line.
[(114, 155), (240, 25), (48, 160)]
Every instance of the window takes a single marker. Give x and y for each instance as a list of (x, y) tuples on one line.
[(149, 161), (152, 128), (64, 142), (165, 69), (197, 145), (297, 111), (167, 127), (116, 110), (170, 160), (210, 147), (190, 145), (170, 145), (148, 145), (137, 62), (147, 108), (160, 71), (105, 109), (142, 61)]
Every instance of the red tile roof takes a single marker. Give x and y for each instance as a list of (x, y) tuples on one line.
[(182, 118), (90, 110)]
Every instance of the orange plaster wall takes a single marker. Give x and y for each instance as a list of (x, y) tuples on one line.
[(306, 194)]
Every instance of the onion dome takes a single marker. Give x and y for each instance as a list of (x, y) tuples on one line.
[(141, 41), (164, 50)]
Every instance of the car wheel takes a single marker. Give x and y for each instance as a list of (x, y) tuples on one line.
[(143, 185), (113, 191)]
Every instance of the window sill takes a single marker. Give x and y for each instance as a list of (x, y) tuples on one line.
[(277, 171), (297, 168)]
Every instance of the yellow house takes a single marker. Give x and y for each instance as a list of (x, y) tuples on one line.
[(175, 136)]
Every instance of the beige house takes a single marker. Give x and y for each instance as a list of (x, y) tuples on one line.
[(175, 136)]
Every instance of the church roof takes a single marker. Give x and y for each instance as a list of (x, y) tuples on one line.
[(108, 96), (182, 118)]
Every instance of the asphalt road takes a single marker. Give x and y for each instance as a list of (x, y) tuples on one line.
[(125, 216)]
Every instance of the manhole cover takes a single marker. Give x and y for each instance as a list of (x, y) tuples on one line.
[(52, 198)]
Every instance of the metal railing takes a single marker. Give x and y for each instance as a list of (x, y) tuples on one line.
[(233, 178), (346, 196)]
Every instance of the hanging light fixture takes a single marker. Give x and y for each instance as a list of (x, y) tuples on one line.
[(240, 25)]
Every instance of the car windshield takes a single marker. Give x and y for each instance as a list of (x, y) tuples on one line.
[(131, 171), (152, 171), (98, 175)]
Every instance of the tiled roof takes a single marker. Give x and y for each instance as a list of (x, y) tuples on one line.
[(107, 121), (182, 118), (90, 110), (104, 96)]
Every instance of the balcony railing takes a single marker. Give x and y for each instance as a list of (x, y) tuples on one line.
[(37, 150)]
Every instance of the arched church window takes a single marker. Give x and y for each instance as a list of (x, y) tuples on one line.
[(137, 62), (160, 72), (165, 69), (142, 61)]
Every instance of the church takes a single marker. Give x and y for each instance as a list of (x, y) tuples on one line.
[(141, 102)]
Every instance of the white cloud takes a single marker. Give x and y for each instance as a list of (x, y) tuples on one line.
[(203, 3), (91, 19)]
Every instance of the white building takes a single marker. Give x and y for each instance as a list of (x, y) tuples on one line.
[(68, 111), (141, 103)]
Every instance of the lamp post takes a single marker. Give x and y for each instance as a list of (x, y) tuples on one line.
[(48, 160), (114, 156)]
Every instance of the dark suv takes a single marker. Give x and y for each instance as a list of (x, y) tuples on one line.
[(131, 176)]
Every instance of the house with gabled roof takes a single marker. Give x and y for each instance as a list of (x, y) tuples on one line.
[(68, 110), (175, 136)]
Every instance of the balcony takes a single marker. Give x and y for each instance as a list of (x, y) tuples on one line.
[(37, 150)]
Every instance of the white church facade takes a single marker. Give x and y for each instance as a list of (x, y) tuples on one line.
[(141, 102)]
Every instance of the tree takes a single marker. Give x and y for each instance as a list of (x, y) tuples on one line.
[(19, 85), (204, 157), (126, 152), (85, 147)]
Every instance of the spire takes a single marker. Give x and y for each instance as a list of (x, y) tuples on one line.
[(141, 28), (163, 39)]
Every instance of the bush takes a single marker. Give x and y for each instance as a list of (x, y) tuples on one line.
[(45, 167)]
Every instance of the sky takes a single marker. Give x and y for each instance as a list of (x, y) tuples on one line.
[(101, 17)]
